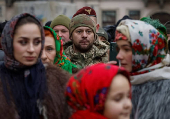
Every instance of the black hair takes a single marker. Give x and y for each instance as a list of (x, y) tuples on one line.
[(48, 23)]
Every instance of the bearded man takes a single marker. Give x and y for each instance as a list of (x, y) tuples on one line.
[(83, 52)]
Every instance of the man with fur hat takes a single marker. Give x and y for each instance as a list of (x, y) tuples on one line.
[(83, 52), (61, 26)]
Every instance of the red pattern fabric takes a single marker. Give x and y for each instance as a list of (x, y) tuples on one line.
[(86, 114), (148, 45), (87, 90), (120, 36)]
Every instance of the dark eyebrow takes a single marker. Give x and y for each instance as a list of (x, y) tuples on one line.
[(22, 37), (37, 38), (125, 45), (79, 30), (28, 38)]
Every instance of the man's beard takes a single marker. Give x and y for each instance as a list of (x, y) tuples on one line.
[(83, 49)]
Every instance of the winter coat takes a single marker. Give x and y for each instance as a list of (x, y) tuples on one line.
[(151, 98), (53, 106), (1, 56)]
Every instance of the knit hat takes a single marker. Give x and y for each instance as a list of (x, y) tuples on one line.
[(82, 20), (167, 25), (60, 20), (86, 10), (102, 32)]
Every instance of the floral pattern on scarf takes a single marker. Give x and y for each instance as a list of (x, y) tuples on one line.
[(120, 36), (60, 59), (7, 45), (148, 45), (87, 90)]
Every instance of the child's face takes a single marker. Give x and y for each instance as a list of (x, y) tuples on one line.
[(118, 103)]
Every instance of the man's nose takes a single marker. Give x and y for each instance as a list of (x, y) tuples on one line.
[(60, 33), (84, 34)]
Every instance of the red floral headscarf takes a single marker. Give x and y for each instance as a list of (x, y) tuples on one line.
[(87, 90), (149, 46), (120, 36)]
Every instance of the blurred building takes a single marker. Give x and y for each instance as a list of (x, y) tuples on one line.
[(44, 10), (108, 11)]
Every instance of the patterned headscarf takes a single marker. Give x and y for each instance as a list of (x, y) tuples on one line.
[(87, 90), (149, 46), (7, 42), (60, 59), (25, 84), (157, 24)]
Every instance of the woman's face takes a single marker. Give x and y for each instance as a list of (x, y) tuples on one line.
[(118, 104), (49, 51), (27, 44), (124, 54)]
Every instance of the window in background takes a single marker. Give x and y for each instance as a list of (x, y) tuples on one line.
[(108, 18), (162, 16), (0, 11), (134, 14)]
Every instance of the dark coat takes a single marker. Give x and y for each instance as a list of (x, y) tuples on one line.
[(53, 106), (111, 29), (1, 56)]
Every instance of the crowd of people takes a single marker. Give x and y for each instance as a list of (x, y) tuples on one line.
[(62, 70)]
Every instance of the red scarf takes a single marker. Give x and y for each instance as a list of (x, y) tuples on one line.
[(87, 90)]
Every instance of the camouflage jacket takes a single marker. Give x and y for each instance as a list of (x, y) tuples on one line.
[(106, 42), (98, 53)]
